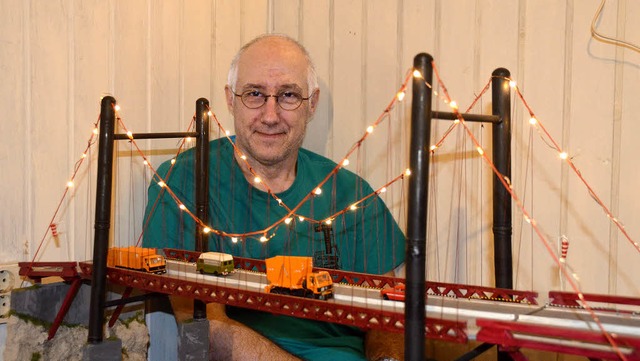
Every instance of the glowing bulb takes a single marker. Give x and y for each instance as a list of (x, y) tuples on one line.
[(210, 113), (480, 151), (563, 155), (301, 219), (328, 221), (95, 131), (145, 162), (206, 230), (162, 184), (69, 184), (288, 220), (173, 161), (383, 189), (353, 207), (129, 134), (117, 107), (417, 74), (407, 172), (187, 139), (234, 239), (257, 180), (345, 162), (512, 83), (227, 132), (456, 121), (453, 105), (182, 206), (533, 121), (433, 147), (263, 239), (317, 191), (279, 201), (243, 157), (400, 95), (84, 155), (370, 129)]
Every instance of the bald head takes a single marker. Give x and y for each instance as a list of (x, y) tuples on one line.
[(274, 40)]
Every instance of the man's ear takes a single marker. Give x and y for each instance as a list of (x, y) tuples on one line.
[(313, 102), (229, 97)]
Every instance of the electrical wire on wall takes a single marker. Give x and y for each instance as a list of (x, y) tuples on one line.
[(607, 39)]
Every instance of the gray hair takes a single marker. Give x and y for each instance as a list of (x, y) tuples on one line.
[(312, 76)]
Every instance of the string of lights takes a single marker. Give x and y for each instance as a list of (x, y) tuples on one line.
[(264, 234)]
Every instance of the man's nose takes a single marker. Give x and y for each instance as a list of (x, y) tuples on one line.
[(271, 109)]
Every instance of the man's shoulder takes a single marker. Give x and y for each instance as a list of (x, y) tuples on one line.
[(322, 165), (315, 158)]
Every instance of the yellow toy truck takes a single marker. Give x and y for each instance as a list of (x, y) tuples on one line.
[(293, 275), (137, 258)]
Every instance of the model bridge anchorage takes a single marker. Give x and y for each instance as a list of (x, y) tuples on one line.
[(454, 313)]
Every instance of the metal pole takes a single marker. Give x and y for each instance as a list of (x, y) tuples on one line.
[(503, 262), (414, 344), (103, 219), (501, 94), (202, 188)]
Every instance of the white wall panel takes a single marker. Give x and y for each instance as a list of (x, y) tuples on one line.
[(536, 173), (50, 136), (92, 79), (14, 155)]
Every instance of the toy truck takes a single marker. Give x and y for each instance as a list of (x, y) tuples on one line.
[(137, 258), (216, 263), (293, 275)]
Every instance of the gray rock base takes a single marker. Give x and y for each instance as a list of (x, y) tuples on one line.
[(107, 350), (193, 340)]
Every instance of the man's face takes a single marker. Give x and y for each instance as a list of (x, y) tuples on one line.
[(269, 134)]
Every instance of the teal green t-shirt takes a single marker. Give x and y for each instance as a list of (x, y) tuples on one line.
[(366, 240)]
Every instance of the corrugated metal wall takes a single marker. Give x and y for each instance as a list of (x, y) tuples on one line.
[(58, 57)]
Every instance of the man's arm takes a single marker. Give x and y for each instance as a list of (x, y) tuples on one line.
[(229, 339)]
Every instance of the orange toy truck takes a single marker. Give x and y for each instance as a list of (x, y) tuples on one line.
[(293, 275), (137, 258)]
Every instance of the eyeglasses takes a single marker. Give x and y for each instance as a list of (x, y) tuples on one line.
[(287, 100)]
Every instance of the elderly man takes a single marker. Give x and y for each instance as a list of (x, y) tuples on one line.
[(272, 93)]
